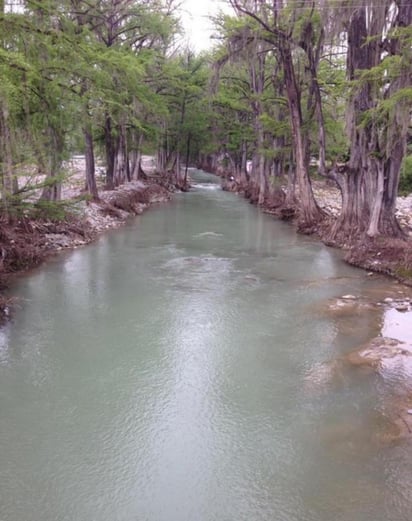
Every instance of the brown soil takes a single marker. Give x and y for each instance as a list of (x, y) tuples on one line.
[(392, 257)]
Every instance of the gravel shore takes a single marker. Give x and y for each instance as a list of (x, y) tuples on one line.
[(329, 199)]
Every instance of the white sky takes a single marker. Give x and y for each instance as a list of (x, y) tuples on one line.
[(195, 22)]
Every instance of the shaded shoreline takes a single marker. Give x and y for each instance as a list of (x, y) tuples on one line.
[(27, 243), (392, 257)]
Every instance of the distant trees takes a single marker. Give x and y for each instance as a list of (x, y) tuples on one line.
[(181, 132)]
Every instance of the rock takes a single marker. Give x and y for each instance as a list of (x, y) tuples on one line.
[(378, 350), (402, 308), (388, 300), (349, 297)]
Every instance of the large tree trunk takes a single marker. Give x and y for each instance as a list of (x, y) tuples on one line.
[(6, 165), (309, 212), (356, 209), (389, 161), (386, 221), (315, 106), (369, 185)]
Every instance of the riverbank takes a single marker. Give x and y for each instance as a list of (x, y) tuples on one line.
[(27, 242), (392, 257), (390, 353)]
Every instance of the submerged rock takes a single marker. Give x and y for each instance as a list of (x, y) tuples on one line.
[(345, 306), (379, 349)]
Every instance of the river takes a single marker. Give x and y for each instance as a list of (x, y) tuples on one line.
[(165, 373)]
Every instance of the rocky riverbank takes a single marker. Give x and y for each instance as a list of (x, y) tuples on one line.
[(329, 199), (391, 257)]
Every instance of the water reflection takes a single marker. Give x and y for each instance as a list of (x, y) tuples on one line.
[(398, 324)]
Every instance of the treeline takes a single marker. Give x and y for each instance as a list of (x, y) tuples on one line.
[(105, 79), (291, 89), (322, 87)]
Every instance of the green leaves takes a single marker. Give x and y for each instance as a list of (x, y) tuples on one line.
[(67, 62)]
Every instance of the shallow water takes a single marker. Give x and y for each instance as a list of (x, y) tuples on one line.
[(169, 372)]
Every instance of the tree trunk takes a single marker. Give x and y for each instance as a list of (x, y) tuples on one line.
[(136, 157), (52, 192), (189, 137), (370, 184), (90, 163), (6, 165), (110, 152), (290, 200), (120, 158), (262, 183), (309, 212)]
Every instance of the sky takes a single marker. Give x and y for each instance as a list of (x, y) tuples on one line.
[(195, 21)]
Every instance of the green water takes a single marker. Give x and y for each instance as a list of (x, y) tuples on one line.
[(165, 373)]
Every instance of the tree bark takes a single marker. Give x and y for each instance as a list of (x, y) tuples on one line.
[(309, 212), (52, 192), (6, 165), (110, 152), (370, 183), (90, 163)]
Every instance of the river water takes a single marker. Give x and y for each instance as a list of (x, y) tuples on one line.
[(169, 372)]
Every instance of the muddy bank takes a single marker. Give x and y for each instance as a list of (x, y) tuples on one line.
[(27, 242)]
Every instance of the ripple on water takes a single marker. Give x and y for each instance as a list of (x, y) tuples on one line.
[(208, 234), (190, 394), (206, 186)]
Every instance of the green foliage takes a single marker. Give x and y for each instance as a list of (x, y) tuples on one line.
[(64, 64), (51, 210)]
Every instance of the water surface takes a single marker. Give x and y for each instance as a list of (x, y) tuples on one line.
[(165, 373)]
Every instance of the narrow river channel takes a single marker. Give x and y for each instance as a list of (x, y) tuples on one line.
[(168, 373)]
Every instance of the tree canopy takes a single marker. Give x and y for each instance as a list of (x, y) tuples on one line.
[(289, 91)]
